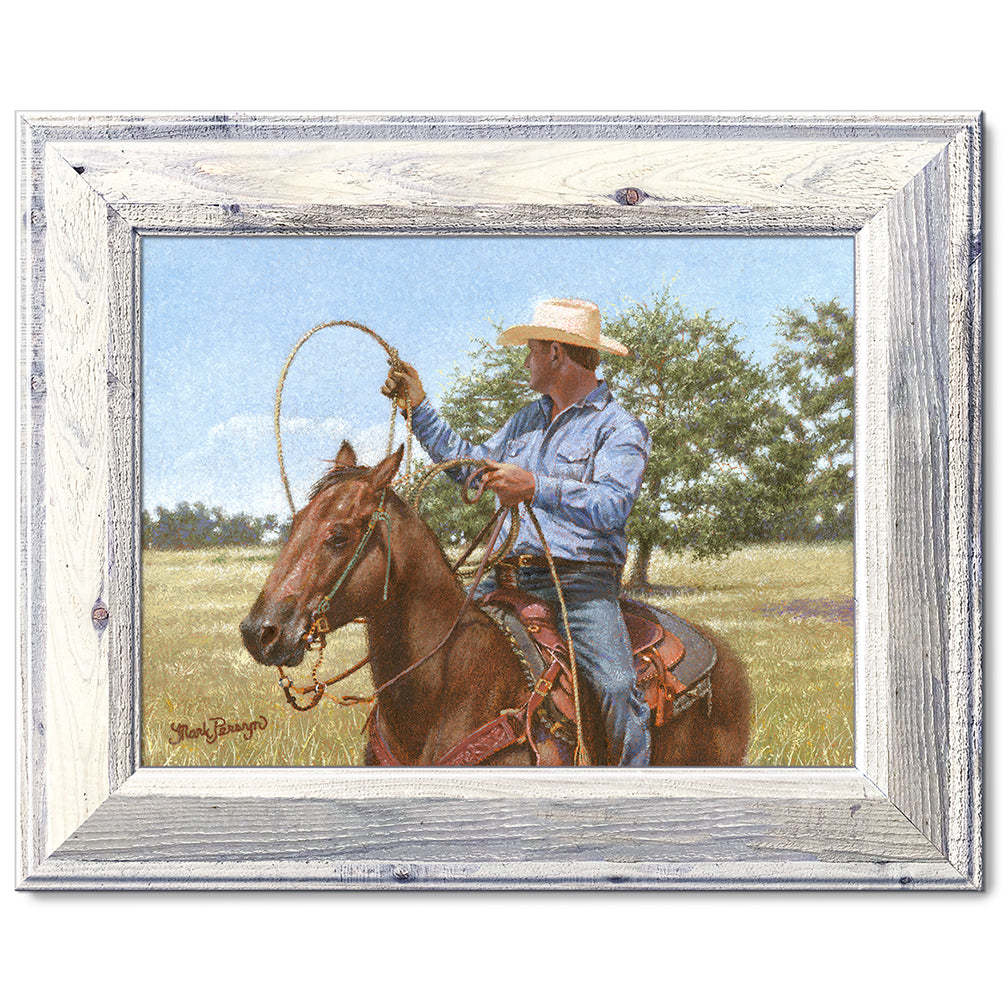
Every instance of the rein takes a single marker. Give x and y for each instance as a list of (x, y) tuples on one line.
[(318, 626)]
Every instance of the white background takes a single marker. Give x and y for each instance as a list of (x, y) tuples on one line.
[(683, 949)]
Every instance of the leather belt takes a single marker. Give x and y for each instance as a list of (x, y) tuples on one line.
[(535, 560), (506, 570)]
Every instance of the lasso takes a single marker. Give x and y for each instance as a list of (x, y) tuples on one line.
[(393, 358)]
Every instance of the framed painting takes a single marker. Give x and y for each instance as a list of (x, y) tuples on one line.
[(167, 267)]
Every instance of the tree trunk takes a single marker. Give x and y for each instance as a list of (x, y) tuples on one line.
[(639, 571)]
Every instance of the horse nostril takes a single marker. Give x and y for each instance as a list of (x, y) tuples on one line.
[(268, 634)]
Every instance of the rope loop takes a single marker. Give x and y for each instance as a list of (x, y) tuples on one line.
[(393, 359), (432, 471)]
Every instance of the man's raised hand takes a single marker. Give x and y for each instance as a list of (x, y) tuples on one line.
[(403, 381)]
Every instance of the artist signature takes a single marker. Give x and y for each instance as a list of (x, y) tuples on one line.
[(215, 728)]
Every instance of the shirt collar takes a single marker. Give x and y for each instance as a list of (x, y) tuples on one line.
[(599, 397)]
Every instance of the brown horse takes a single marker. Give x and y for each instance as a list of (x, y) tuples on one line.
[(399, 579)]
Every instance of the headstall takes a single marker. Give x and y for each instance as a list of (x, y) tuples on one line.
[(318, 626)]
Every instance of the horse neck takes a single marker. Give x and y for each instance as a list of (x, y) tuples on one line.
[(460, 686), (424, 598)]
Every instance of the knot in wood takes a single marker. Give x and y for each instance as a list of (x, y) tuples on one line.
[(630, 196)]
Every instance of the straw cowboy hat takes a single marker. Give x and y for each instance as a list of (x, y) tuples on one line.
[(566, 320)]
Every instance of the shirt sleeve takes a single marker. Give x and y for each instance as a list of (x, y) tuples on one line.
[(605, 501), (442, 443)]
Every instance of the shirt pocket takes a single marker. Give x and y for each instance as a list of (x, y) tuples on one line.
[(573, 463)]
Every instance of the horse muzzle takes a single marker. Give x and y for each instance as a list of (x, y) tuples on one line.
[(272, 639)]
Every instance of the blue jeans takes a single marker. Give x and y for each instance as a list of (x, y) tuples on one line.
[(602, 649)]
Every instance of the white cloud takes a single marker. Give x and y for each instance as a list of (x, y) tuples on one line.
[(234, 465)]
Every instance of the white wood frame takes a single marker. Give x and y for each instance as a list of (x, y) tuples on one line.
[(906, 816)]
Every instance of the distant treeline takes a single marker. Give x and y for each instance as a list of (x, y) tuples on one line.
[(196, 526)]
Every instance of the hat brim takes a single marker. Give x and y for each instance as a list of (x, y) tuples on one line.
[(519, 335)]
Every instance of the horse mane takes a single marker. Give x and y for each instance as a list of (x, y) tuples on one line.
[(425, 529), (337, 474)]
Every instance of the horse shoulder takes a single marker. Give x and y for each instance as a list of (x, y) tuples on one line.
[(491, 664)]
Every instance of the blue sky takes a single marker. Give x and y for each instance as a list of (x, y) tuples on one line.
[(220, 316)]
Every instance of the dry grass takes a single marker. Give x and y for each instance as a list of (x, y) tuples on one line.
[(195, 668)]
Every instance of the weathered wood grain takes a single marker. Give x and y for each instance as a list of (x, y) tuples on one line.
[(918, 498), (30, 620), (766, 819), (264, 874), (122, 583), (513, 219), (965, 437), (528, 829), (375, 127), (906, 816), (851, 177), (754, 784), (76, 498), (873, 626)]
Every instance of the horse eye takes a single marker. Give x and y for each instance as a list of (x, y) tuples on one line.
[(336, 540)]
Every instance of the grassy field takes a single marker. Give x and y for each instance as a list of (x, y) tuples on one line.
[(784, 608)]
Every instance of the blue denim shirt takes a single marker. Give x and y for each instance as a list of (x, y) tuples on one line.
[(588, 465)]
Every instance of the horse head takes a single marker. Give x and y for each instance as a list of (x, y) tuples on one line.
[(335, 562)]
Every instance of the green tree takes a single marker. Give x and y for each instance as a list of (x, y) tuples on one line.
[(195, 526), (814, 370), (705, 403)]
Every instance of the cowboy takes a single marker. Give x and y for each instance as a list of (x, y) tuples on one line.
[(577, 457)]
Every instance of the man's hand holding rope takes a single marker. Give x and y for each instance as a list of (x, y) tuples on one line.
[(511, 483), (403, 384)]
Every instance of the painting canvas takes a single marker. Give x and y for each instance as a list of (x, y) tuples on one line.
[(740, 366)]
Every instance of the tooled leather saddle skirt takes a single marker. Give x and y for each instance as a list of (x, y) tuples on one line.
[(673, 660)]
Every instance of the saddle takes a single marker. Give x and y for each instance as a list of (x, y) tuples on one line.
[(673, 660)]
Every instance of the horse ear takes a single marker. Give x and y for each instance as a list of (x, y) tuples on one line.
[(346, 457), (382, 473)]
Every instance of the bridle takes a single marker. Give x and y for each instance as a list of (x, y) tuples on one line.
[(318, 624)]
